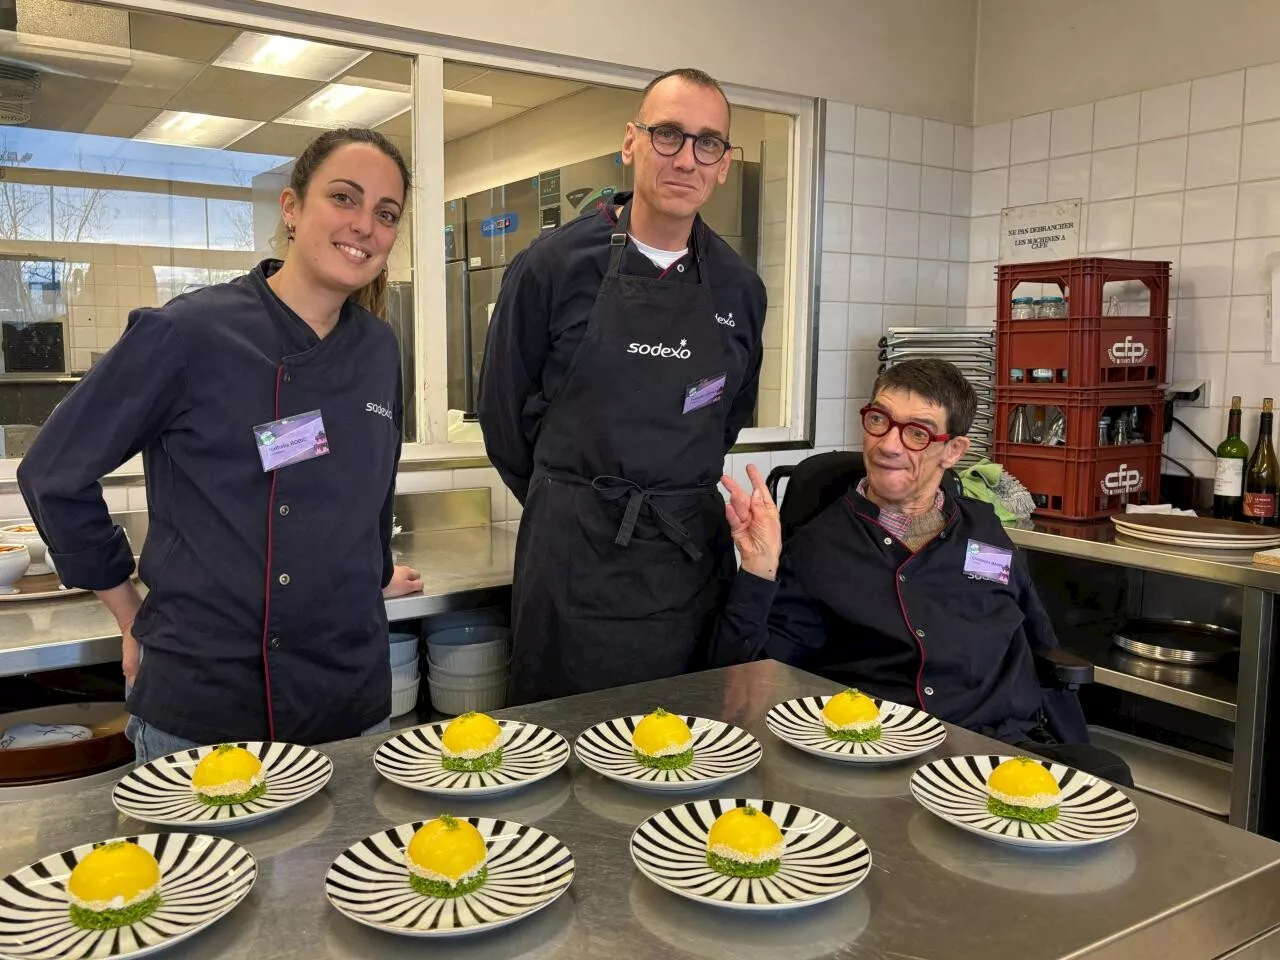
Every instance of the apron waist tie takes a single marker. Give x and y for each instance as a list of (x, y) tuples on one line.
[(615, 488)]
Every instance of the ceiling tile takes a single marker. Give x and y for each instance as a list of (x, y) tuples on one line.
[(119, 120), (177, 37), (238, 93), (385, 68)]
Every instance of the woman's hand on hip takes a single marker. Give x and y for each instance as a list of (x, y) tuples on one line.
[(404, 581), (755, 525)]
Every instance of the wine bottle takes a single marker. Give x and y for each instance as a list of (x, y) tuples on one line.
[(1262, 478), (1228, 481)]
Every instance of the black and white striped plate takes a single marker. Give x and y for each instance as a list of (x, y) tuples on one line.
[(904, 732), (202, 879), (721, 751), (528, 870), (529, 753), (822, 857), (160, 791), (1092, 811)]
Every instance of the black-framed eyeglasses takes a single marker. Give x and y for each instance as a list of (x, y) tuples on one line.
[(915, 436), (668, 140)]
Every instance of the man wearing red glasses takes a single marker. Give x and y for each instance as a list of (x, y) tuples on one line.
[(903, 590)]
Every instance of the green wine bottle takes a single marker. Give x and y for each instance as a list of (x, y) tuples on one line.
[(1228, 481)]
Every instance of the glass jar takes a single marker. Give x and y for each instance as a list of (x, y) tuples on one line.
[(1024, 308), (1042, 375), (1016, 375), (1052, 308)]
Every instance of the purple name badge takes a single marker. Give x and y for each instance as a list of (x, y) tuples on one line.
[(705, 392), (291, 440), (982, 561)]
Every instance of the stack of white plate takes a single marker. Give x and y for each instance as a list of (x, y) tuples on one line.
[(468, 668), (404, 673), (1203, 533)]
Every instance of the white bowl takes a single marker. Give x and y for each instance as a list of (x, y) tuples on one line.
[(453, 700), (470, 659), (404, 675), (480, 678), (403, 651), (15, 558), (459, 636), (404, 699), (26, 533)]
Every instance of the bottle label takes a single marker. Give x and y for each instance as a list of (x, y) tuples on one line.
[(1229, 479), (1260, 505)]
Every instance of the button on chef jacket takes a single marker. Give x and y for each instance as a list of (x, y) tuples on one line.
[(264, 614), (854, 604)]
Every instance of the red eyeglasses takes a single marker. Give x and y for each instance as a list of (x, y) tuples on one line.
[(915, 436)]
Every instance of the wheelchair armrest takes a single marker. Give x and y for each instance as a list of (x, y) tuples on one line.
[(1057, 668), (776, 476)]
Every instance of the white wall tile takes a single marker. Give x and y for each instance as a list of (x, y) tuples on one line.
[(935, 190), (1110, 226), (1202, 324), (870, 181), (931, 316), (1259, 212), (836, 225), (1157, 220), (1165, 111), (1203, 366), (963, 159), (1252, 377), (935, 237), (1115, 122), (834, 278), (979, 317), (833, 323), (1262, 93), (422, 481), (860, 375), (1069, 177), (840, 125), (906, 138), (984, 238), (956, 316), (831, 374), (1248, 324), (837, 177), (872, 133), (852, 424), (1217, 101), (1114, 173), (1260, 157), (898, 315), (961, 193), (1213, 158), (866, 326), (960, 239), (1071, 131), (939, 144), (904, 185), (990, 192), (1028, 183), (865, 279), (982, 287), (1205, 270), (867, 230), (899, 280), (829, 428), (1251, 276), (1209, 214), (1030, 138), (902, 237), (991, 145), (931, 283), (957, 284)]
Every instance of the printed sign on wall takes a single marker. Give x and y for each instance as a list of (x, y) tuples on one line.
[(1040, 231)]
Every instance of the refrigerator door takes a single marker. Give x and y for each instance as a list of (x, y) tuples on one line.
[(400, 317), (455, 230), (501, 222), (457, 338), (483, 294)]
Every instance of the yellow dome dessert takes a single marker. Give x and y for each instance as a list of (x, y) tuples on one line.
[(117, 884), (229, 774), (662, 741), (744, 843), (471, 743), (852, 715), (1022, 789), (446, 858)]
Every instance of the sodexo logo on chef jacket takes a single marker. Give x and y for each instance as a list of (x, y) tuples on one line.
[(660, 349), (380, 410)]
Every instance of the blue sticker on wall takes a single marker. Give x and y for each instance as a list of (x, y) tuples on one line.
[(500, 225)]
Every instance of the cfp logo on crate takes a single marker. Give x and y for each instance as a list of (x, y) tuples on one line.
[(1122, 480), (1128, 352)]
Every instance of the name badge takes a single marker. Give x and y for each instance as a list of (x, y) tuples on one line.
[(282, 443), (705, 392), (982, 561)]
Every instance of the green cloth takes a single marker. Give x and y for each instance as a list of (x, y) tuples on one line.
[(980, 482)]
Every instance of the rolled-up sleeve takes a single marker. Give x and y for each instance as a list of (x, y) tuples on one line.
[(121, 406)]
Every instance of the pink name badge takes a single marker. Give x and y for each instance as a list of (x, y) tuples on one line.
[(291, 440)]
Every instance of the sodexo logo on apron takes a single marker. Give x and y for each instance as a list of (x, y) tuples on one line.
[(658, 349)]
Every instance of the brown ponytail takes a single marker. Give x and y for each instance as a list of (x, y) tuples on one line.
[(373, 295)]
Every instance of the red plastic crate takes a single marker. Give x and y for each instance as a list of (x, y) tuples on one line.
[(1083, 409), (1082, 280), (1084, 352)]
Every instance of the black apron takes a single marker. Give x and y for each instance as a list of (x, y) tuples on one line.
[(624, 555)]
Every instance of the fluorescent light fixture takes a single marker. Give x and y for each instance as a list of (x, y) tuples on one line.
[(288, 57), (349, 105), (196, 129), (464, 99)]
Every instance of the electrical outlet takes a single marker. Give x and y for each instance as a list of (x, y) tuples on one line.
[(1191, 393)]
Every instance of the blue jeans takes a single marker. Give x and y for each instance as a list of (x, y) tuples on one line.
[(150, 743)]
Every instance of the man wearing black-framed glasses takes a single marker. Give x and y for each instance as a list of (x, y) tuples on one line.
[(622, 360), (904, 590)]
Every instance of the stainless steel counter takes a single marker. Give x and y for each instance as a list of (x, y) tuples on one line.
[(1178, 885), (460, 569)]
